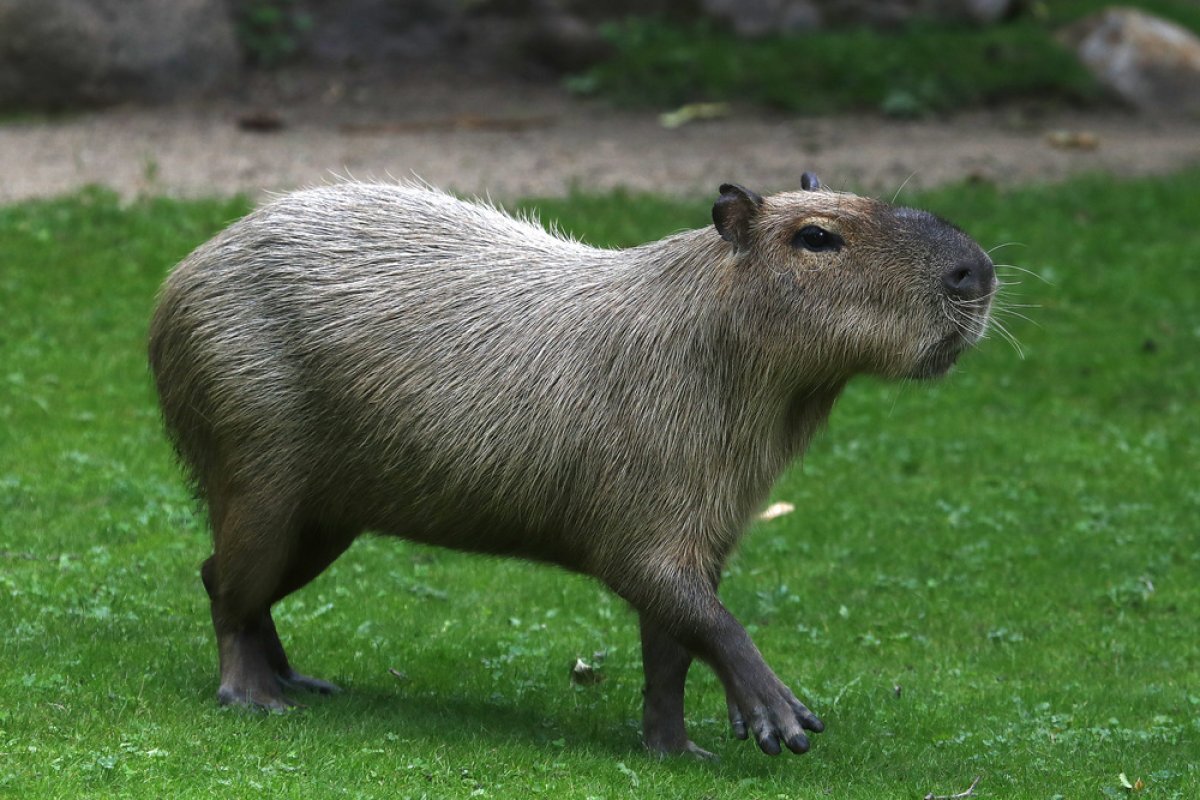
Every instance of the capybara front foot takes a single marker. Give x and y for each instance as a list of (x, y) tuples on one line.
[(776, 718)]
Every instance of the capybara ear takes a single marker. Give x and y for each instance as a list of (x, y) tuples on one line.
[(734, 212), (810, 182)]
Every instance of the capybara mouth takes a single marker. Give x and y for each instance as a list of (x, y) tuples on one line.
[(939, 357)]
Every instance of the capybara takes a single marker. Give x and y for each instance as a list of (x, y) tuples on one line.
[(388, 358)]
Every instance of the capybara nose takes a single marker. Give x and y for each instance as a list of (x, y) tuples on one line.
[(970, 279)]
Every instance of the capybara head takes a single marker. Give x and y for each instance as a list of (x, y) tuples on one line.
[(868, 286)]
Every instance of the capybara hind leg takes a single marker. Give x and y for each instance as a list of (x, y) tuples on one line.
[(278, 660), (665, 663), (317, 550), (247, 678), (246, 655), (252, 551), (319, 547)]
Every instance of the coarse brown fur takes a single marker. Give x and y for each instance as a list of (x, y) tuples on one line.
[(388, 358)]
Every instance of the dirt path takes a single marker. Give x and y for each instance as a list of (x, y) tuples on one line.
[(511, 139)]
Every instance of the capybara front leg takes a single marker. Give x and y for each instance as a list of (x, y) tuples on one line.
[(665, 663), (760, 704)]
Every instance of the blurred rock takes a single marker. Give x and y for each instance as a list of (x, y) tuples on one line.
[(987, 11), (66, 53), (564, 43), (1149, 62), (355, 32)]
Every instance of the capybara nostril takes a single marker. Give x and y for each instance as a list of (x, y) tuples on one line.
[(970, 279)]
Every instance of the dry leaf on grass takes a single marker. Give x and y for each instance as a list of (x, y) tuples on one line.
[(692, 112), (776, 510), (1073, 140)]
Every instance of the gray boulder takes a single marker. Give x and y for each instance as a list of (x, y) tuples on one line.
[(1149, 62), (68, 53)]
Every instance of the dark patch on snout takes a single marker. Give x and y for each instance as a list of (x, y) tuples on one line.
[(961, 279), (965, 271)]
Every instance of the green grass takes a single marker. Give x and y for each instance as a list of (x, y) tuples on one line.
[(918, 69), (1017, 549)]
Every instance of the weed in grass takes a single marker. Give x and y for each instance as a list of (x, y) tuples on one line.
[(993, 575)]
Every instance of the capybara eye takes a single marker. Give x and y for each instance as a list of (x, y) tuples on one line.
[(816, 239)]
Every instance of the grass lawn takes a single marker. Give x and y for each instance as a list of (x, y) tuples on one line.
[(997, 575), (918, 69)]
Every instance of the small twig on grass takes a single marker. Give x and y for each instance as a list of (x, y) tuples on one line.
[(398, 675), (19, 556), (970, 792)]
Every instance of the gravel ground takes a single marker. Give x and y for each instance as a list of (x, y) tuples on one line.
[(508, 139)]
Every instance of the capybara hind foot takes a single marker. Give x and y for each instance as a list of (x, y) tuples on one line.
[(698, 753), (294, 680), (685, 748), (262, 697), (247, 678), (269, 695)]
